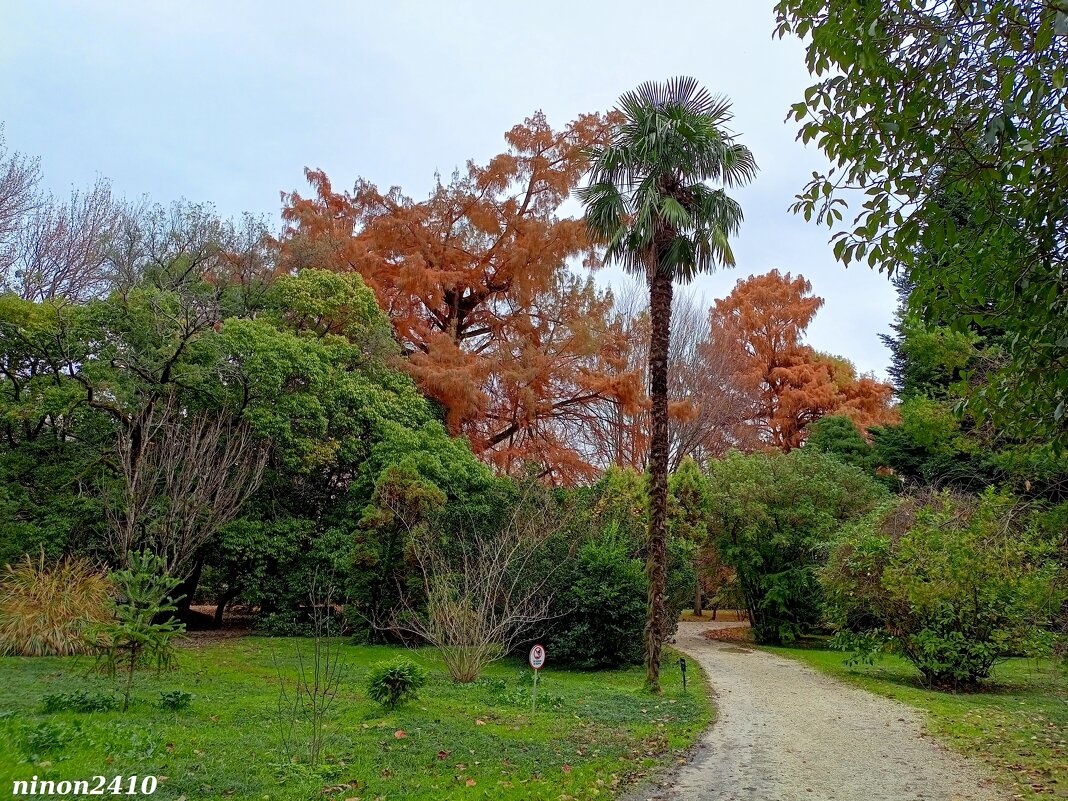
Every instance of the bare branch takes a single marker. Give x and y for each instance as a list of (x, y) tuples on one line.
[(183, 478)]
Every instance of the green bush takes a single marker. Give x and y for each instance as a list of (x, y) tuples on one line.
[(393, 683), (79, 701), (954, 583), (289, 623), (602, 610)]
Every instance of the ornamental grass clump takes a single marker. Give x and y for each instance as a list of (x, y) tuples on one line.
[(52, 609)]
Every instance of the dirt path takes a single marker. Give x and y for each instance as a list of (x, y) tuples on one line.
[(785, 732)]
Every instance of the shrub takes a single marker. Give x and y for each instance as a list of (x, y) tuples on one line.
[(953, 583), (175, 700), (289, 623), (484, 591), (603, 611), (393, 683), (79, 701), (142, 628), (773, 517), (49, 610)]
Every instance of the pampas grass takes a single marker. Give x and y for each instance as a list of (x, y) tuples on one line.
[(49, 609)]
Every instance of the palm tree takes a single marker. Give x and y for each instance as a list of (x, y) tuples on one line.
[(649, 203)]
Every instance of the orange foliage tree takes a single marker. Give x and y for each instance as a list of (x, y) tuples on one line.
[(475, 279), (765, 318)]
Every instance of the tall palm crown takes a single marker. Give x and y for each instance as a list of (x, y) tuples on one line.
[(649, 204), (648, 201)]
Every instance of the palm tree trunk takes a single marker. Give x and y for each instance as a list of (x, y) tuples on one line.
[(660, 290)]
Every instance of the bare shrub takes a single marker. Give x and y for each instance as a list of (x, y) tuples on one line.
[(483, 593), (305, 702)]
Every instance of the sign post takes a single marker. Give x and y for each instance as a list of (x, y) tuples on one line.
[(536, 659)]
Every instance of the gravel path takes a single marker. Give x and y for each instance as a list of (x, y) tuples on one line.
[(785, 732)]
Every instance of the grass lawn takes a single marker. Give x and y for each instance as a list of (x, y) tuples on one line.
[(592, 736), (1018, 724)]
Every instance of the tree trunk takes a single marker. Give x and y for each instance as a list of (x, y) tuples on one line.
[(185, 591), (220, 606), (660, 290), (698, 601)]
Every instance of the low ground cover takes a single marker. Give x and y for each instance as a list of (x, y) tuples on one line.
[(1017, 724), (592, 735)]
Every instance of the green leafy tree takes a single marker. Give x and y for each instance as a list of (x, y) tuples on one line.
[(688, 530), (927, 106), (649, 204), (774, 517)]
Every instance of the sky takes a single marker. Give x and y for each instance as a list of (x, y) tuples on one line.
[(227, 101)]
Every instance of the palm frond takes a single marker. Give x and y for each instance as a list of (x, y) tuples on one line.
[(670, 144)]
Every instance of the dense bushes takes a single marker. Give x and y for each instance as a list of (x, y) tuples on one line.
[(951, 582), (601, 591), (774, 517)]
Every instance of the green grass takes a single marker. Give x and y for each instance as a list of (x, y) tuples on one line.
[(1017, 725), (593, 734)]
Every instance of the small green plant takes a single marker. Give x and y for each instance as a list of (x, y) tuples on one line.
[(47, 610), (393, 683), (79, 701), (142, 629), (175, 700), (44, 738)]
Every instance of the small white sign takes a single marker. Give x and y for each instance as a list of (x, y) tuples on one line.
[(537, 656)]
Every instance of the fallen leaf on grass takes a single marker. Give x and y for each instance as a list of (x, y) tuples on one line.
[(400, 734), (566, 768), (443, 754), (471, 782), (479, 722)]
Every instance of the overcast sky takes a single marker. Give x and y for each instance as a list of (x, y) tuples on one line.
[(228, 101)]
